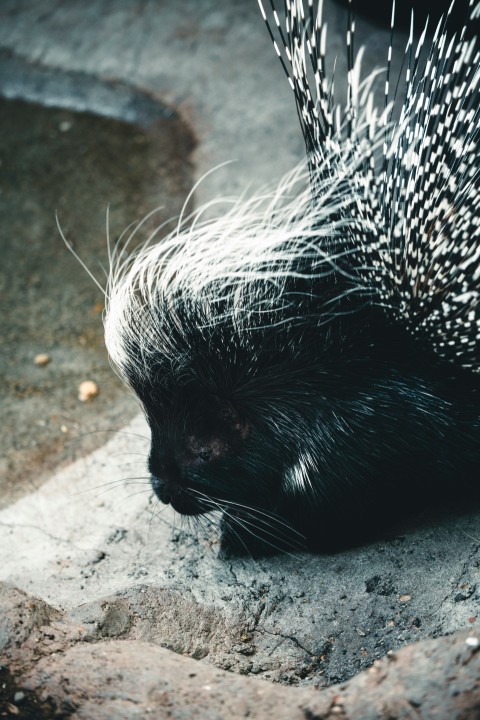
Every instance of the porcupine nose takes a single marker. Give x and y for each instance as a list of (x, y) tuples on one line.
[(162, 489), (170, 483), (164, 485), (173, 494), (164, 479)]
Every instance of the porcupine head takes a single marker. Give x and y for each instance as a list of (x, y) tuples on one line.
[(208, 338), (285, 358)]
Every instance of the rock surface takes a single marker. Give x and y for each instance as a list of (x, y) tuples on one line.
[(56, 671)]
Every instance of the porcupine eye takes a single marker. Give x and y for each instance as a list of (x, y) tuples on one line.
[(202, 450), (204, 455)]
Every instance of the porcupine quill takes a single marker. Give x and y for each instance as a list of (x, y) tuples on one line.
[(309, 363)]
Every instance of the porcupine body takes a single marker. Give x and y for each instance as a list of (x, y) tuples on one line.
[(310, 363)]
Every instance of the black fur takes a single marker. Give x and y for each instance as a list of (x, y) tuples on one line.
[(388, 427)]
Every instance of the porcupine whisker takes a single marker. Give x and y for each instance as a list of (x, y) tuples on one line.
[(267, 530), (154, 515), (265, 537), (267, 522), (127, 497), (81, 436), (107, 235), (155, 506), (77, 257), (171, 525), (275, 522), (254, 511), (193, 220), (122, 246), (130, 453), (114, 484), (205, 524), (129, 464), (239, 537), (194, 189), (214, 505), (118, 481), (220, 504)]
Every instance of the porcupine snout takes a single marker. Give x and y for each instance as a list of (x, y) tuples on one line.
[(170, 481), (189, 461), (165, 481), (176, 468)]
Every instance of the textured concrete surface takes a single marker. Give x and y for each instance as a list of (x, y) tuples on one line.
[(91, 540)]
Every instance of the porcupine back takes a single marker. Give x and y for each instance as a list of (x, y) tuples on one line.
[(411, 185), (392, 215)]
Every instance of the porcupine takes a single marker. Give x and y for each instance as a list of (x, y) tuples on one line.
[(309, 363)]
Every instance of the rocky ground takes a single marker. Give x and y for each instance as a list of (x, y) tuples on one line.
[(110, 606)]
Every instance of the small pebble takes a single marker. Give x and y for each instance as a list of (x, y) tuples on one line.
[(41, 359), (472, 642), (405, 598), (65, 126), (18, 697), (87, 390)]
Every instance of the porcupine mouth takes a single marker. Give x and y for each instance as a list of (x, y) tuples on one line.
[(178, 498)]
